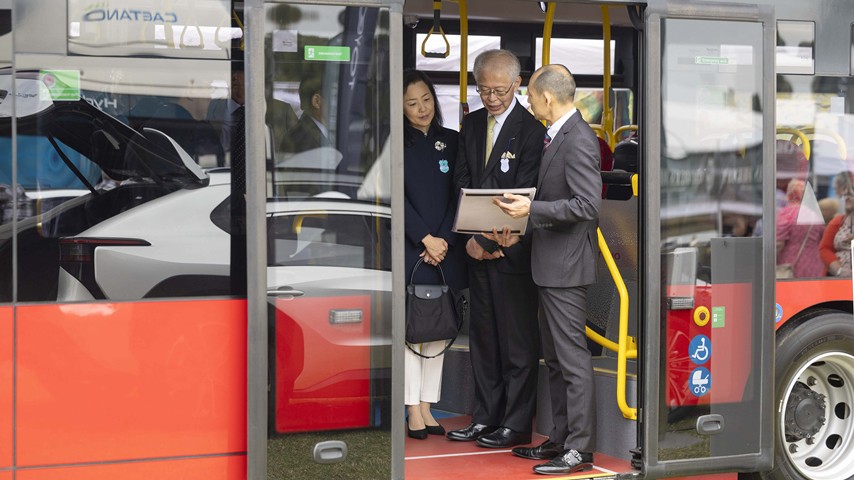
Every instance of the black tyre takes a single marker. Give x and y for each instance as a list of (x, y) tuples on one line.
[(814, 425)]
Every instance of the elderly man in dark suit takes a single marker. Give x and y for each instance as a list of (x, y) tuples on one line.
[(500, 146), (564, 217)]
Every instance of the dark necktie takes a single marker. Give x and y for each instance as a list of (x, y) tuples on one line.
[(546, 141)]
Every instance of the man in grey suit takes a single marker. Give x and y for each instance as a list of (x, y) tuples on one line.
[(564, 218)]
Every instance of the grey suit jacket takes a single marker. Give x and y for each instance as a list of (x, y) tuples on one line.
[(565, 212)]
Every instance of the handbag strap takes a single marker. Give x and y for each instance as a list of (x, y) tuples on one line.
[(418, 264), (447, 347)]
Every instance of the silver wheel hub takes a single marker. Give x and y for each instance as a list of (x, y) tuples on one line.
[(816, 418)]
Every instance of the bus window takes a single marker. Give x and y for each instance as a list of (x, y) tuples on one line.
[(582, 55), (795, 47)]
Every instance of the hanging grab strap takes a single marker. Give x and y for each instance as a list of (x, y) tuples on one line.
[(437, 27)]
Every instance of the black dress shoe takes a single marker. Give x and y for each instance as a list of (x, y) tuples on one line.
[(470, 433), (570, 462), (416, 434), (503, 438), (435, 430), (544, 451)]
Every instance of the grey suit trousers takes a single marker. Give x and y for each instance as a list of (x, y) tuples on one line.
[(571, 388)]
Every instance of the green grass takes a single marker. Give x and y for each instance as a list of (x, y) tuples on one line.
[(369, 456)]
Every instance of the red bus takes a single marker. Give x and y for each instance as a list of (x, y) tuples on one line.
[(173, 305)]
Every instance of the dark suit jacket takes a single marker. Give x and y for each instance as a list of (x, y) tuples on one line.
[(431, 204), (306, 135), (564, 215), (522, 137)]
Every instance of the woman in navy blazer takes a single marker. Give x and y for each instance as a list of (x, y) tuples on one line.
[(430, 206)]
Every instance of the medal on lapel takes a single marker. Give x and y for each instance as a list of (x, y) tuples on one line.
[(506, 157), (505, 161), (443, 166)]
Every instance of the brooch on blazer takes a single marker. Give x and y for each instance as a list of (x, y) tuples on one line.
[(440, 146), (443, 166), (507, 156)]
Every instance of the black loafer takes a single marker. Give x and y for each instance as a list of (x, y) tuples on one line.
[(470, 433), (435, 430), (544, 451), (503, 438), (570, 462)]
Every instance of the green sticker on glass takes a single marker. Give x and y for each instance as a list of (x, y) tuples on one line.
[(718, 317), (321, 53), (705, 60), (61, 84)]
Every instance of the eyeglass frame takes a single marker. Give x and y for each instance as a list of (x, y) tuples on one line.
[(487, 92)]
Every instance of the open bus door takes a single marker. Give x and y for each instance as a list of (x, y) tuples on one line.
[(709, 284)]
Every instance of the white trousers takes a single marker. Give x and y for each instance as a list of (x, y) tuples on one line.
[(423, 376)]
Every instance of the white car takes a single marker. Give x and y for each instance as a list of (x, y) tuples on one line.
[(179, 245)]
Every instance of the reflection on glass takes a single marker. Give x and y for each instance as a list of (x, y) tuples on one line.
[(711, 212), (328, 226), (814, 123), (91, 158)]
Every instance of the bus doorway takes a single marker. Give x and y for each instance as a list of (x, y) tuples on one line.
[(696, 249)]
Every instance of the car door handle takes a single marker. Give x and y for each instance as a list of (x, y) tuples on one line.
[(285, 292)]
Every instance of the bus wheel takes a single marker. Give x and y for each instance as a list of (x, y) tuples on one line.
[(814, 425)]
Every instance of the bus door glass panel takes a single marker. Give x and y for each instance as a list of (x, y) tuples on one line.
[(712, 287), (328, 239)]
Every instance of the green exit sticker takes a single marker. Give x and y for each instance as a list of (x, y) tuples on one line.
[(718, 317), (61, 84), (321, 53), (705, 60)]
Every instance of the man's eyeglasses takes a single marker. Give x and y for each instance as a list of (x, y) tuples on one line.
[(498, 92)]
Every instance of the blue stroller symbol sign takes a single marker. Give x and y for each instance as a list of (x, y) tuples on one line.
[(700, 381), (700, 349)]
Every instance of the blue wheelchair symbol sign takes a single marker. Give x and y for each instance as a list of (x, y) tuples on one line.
[(778, 313), (700, 382), (700, 349)]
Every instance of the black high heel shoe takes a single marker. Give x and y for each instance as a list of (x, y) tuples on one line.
[(435, 430), (417, 434)]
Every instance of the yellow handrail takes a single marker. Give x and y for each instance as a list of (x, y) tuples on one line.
[(620, 131), (626, 346), (602, 133), (464, 60), (607, 114), (547, 33), (835, 137), (795, 133)]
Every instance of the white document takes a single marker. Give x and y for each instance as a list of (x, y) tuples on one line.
[(477, 214)]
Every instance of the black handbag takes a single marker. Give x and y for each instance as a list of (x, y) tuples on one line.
[(433, 312)]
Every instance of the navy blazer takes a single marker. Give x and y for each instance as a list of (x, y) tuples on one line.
[(430, 204), (521, 140)]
